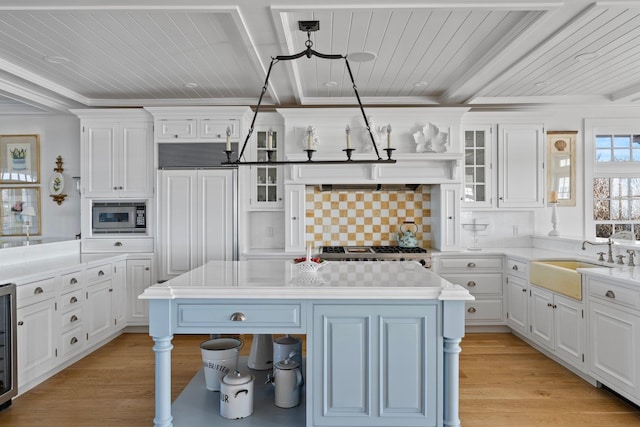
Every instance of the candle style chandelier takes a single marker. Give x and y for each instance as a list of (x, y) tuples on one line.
[(309, 27)]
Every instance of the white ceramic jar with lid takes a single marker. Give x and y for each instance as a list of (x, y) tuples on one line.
[(288, 382), (236, 395)]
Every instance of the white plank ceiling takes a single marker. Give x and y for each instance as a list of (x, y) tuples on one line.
[(61, 54)]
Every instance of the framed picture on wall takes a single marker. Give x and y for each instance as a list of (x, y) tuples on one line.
[(20, 208), (20, 159)]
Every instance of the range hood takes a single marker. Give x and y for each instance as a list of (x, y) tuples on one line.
[(367, 187)]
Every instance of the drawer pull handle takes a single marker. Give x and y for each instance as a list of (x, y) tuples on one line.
[(515, 267), (74, 340), (37, 290), (73, 281), (471, 284), (471, 309), (73, 300), (471, 265), (100, 273), (74, 318), (524, 290), (117, 244), (238, 317), (610, 294)]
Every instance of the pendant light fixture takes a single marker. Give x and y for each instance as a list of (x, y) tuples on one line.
[(308, 27)]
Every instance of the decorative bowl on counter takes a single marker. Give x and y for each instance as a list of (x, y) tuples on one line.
[(309, 266)]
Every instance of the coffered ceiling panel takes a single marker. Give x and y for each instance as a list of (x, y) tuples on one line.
[(61, 54)]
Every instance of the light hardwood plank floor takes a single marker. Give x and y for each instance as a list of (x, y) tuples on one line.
[(503, 382)]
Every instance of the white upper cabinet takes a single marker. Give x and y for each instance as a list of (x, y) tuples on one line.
[(520, 166), (117, 155)]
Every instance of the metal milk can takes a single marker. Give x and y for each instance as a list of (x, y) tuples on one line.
[(288, 381), (236, 395)]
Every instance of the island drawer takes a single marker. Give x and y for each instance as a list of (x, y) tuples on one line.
[(72, 318), (73, 279), (240, 315), (71, 299)]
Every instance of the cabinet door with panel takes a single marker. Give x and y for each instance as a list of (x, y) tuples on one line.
[(117, 159), (294, 210), (197, 219), (373, 369), (37, 339), (520, 165), (518, 304), (557, 323), (138, 279), (445, 224), (478, 167), (267, 185), (99, 311), (119, 295)]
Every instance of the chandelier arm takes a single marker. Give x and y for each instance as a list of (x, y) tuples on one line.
[(264, 90), (364, 116)]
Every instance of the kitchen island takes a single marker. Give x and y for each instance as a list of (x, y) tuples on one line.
[(382, 338)]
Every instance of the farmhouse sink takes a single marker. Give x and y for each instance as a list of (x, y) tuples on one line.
[(559, 276)]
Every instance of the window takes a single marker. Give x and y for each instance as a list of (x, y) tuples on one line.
[(615, 184)]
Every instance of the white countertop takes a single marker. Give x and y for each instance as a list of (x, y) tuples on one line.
[(281, 279)]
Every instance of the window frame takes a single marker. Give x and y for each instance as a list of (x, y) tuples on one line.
[(593, 169)]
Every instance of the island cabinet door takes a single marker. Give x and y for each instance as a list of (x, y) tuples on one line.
[(375, 365)]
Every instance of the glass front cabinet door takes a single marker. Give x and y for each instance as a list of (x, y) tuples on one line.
[(267, 180), (477, 167)]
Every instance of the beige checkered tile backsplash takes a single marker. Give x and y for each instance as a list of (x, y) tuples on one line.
[(364, 218)]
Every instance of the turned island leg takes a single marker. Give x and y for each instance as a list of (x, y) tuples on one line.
[(162, 349), (453, 331)]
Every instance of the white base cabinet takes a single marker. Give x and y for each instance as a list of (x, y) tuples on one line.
[(557, 323), (614, 336), (37, 340), (482, 277), (373, 366), (518, 304), (139, 278)]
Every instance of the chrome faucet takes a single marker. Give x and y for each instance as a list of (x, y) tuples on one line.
[(609, 242)]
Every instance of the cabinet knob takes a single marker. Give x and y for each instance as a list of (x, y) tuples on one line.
[(471, 284), (450, 217), (524, 290), (294, 218), (610, 294), (20, 323), (500, 198), (115, 188), (238, 317), (73, 300), (471, 265), (37, 290), (146, 269), (549, 304), (515, 267), (471, 309), (110, 289)]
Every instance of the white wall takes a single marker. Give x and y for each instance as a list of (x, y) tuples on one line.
[(59, 136)]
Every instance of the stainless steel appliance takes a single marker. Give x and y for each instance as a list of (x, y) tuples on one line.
[(119, 217), (8, 345), (376, 253)]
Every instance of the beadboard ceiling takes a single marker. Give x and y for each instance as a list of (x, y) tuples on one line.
[(56, 55)]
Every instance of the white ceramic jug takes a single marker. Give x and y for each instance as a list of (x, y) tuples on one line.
[(236, 395), (288, 382), (261, 354)]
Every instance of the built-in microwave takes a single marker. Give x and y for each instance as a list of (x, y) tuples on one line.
[(118, 217)]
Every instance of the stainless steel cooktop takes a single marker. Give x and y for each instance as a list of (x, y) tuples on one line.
[(376, 253)]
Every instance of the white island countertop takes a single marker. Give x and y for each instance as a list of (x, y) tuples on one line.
[(281, 279)]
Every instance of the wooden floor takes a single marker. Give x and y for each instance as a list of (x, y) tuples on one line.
[(503, 382)]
